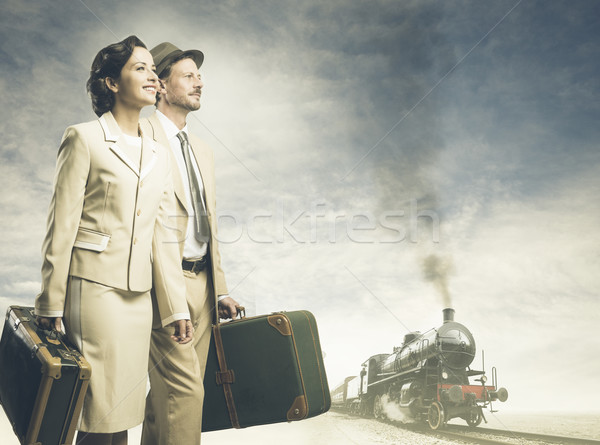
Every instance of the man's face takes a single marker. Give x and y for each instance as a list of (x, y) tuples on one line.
[(183, 87)]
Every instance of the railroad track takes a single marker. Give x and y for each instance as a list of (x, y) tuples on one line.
[(488, 436), (484, 436)]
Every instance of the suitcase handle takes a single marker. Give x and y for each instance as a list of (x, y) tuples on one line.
[(53, 336), (241, 311)]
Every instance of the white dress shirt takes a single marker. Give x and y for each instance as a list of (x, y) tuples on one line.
[(192, 248)]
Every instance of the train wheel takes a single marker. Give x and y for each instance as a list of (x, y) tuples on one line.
[(378, 408), (474, 417), (435, 416)]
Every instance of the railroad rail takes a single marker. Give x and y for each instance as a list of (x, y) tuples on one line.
[(489, 436)]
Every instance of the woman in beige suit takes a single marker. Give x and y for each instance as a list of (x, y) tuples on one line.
[(108, 242)]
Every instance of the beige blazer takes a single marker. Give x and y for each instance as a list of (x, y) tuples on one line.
[(206, 163), (107, 220)]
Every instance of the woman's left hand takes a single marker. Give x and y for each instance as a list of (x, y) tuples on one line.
[(49, 323), (184, 332)]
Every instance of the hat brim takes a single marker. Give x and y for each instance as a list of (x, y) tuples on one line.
[(194, 54)]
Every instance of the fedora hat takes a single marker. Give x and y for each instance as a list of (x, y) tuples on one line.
[(164, 53)]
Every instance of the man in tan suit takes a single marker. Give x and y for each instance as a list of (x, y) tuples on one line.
[(174, 404)]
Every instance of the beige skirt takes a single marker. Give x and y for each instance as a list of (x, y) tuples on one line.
[(111, 328)]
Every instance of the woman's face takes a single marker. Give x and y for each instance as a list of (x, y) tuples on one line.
[(138, 83)]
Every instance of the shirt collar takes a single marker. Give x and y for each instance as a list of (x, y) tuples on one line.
[(170, 128)]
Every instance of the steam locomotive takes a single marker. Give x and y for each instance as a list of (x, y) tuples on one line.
[(427, 378)]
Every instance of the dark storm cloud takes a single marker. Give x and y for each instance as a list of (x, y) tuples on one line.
[(528, 92)]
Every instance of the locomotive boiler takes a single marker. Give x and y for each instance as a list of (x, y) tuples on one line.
[(427, 378)]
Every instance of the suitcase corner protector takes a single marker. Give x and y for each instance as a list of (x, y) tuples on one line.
[(281, 323), (298, 410), (86, 370), (51, 366)]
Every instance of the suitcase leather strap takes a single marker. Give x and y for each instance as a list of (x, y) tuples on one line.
[(225, 377)]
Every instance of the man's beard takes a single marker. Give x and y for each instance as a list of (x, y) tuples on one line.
[(185, 103)]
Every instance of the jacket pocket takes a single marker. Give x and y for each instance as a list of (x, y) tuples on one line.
[(106, 202), (91, 240)]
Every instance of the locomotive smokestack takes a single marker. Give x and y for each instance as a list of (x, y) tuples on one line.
[(448, 314)]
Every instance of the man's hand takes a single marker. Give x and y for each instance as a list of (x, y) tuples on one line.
[(184, 331), (228, 308), (49, 323)]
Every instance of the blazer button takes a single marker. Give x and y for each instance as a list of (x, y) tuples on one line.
[(139, 212), (134, 241)]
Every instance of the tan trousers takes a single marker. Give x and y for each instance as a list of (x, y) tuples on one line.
[(174, 403)]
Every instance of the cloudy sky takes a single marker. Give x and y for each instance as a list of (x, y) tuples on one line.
[(357, 142)]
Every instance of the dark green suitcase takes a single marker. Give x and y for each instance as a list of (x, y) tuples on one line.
[(43, 380), (274, 372)]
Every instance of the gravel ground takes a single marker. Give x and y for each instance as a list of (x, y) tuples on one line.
[(335, 428), (328, 429)]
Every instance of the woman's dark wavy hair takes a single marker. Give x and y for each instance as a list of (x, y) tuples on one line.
[(108, 63)]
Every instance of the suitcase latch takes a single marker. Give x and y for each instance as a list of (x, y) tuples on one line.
[(34, 350), (66, 355)]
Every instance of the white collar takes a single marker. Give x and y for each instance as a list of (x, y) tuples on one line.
[(136, 141), (170, 128)]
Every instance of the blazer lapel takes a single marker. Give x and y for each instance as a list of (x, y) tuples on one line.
[(159, 135), (113, 136)]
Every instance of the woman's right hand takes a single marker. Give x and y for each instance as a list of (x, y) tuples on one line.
[(184, 331), (49, 323)]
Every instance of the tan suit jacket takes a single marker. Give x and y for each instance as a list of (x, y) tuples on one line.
[(205, 160), (107, 220)]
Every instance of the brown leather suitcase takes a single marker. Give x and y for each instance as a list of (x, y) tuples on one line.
[(264, 369), (43, 380)]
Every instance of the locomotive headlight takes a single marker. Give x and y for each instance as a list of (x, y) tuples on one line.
[(444, 375), (483, 379)]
